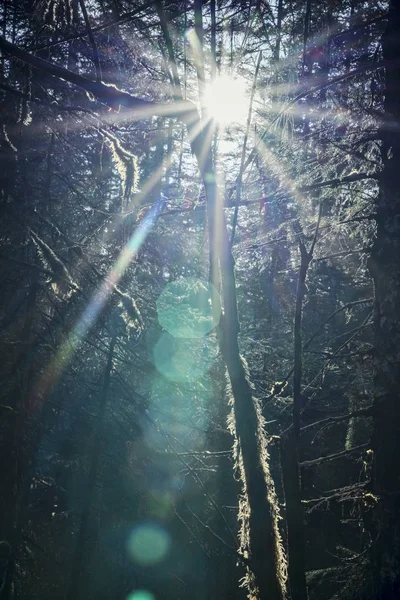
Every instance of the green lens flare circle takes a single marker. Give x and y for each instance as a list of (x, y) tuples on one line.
[(148, 544), (140, 595), (180, 359), (184, 308)]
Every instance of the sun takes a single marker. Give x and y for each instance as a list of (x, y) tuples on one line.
[(225, 100)]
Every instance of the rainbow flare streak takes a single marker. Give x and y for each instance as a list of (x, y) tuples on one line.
[(92, 311)]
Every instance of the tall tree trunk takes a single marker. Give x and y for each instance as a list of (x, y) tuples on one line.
[(81, 551), (15, 460), (260, 527), (384, 266), (277, 49), (290, 443), (260, 519), (213, 40)]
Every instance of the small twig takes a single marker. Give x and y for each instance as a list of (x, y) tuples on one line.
[(332, 315), (182, 520), (355, 331), (208, 528), (343, 253), (244, 147), (203, 487), (123, 18), (202, 453), (311, 251)]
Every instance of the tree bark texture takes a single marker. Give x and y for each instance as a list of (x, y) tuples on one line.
[(260, 525)]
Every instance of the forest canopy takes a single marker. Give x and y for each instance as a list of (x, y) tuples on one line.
[(200, 307)]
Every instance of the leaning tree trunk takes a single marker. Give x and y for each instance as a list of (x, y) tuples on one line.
[(261, 542), (384, 266)]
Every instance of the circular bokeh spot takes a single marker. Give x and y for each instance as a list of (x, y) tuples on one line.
[(140, 595), (179, 359), (182, 408), (148, 544), (184, 308)]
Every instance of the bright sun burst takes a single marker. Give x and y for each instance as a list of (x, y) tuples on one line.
[(226, 101)]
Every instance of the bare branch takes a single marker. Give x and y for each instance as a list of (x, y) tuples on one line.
[(363, 412), (344, 253), (106, 94), (323, 459)]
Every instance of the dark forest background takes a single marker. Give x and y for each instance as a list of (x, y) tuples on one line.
[(200, 318)]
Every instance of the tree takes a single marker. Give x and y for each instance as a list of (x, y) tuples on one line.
[(115, 183)]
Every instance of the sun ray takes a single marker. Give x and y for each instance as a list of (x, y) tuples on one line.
[(208, 132), (63, 356), (90, 314), (272, 163)]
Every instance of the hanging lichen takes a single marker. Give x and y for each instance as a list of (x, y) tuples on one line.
[(54, 12), (128, 312), (126, 165), (59, 277), (25, 113), (244, 510), (7, 139)]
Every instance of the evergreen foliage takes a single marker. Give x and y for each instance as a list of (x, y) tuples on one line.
[(199, 312)]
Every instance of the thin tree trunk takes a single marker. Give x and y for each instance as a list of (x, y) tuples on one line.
[(266, 560), (213, 40), (290, 443), (15, 461), (260, 527), (265, 554), (80, 557), (294, 516), (289, 455), (277, 49), (306, 35)]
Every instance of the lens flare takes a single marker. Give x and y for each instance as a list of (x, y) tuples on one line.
[(93, 309), (179, 359), (140, 595), (225, 100), (184, 308), (148, 544)]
